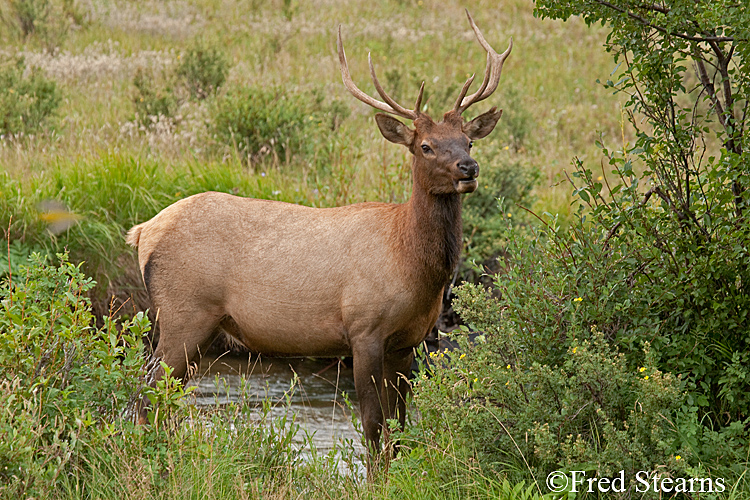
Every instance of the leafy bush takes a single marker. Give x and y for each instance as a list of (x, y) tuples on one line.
[(27, 103), (49, 20), (590, 411), (203, 69), (258, 123), (673, 228), (568, 360), (152, 100), (14, 255), (60, 379), (200, 72)]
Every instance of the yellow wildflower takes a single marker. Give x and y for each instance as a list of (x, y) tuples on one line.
[(578, 299)]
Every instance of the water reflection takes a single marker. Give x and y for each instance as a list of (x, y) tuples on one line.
[(316, 398)]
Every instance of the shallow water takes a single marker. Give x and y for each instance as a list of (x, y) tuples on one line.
[(315, 398)]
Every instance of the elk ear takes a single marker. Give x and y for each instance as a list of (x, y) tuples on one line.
[(394, 130), (482, 125)]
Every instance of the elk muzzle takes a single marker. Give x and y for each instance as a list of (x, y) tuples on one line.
[(468, 171)]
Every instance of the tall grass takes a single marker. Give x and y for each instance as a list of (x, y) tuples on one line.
[(108, 195), (550, 73)]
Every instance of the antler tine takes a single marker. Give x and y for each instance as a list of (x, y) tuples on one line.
[(464, 90), (492, 71), (400, 110), (418, 104), (392, 107)]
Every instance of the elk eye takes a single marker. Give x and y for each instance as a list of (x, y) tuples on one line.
[(471, 143), (426, 149)]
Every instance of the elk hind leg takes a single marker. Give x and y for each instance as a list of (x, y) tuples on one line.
[(182, 338)]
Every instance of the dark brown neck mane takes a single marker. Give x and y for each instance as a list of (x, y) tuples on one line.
[(434, 230)]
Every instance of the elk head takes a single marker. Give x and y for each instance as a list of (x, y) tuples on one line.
[(443, 164)]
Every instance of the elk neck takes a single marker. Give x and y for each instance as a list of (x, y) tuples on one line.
[(432, 231)]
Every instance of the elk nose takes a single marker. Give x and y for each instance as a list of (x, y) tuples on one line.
[(469, 168)]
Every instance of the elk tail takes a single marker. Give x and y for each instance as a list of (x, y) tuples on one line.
[(134, 235)]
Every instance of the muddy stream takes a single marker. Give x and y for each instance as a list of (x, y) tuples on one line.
[(316, 399)]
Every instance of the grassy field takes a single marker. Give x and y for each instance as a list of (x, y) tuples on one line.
[(112, 168)]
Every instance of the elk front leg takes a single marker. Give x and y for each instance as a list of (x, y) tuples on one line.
[(397, 370), (373, 402), (382, 388)]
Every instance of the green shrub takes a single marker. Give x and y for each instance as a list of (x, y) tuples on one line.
[(60, 379), (14, 255), (591, 410), (203, 69), (260, 123), (27, 103), (152, 99), (650, 279), (504, 184), (556, 375), (49, 20), (663, 251)]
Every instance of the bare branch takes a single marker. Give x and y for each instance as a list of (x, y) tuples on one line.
[(709, 86)]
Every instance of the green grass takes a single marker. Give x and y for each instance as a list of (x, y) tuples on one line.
[(256, 459)]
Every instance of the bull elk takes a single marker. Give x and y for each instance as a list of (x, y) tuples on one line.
[(363, 280)]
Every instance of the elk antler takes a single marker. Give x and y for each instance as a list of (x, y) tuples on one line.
[(389, 106), (491, 73)]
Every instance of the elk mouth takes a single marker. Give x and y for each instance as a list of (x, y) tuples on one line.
[(466, 185)]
